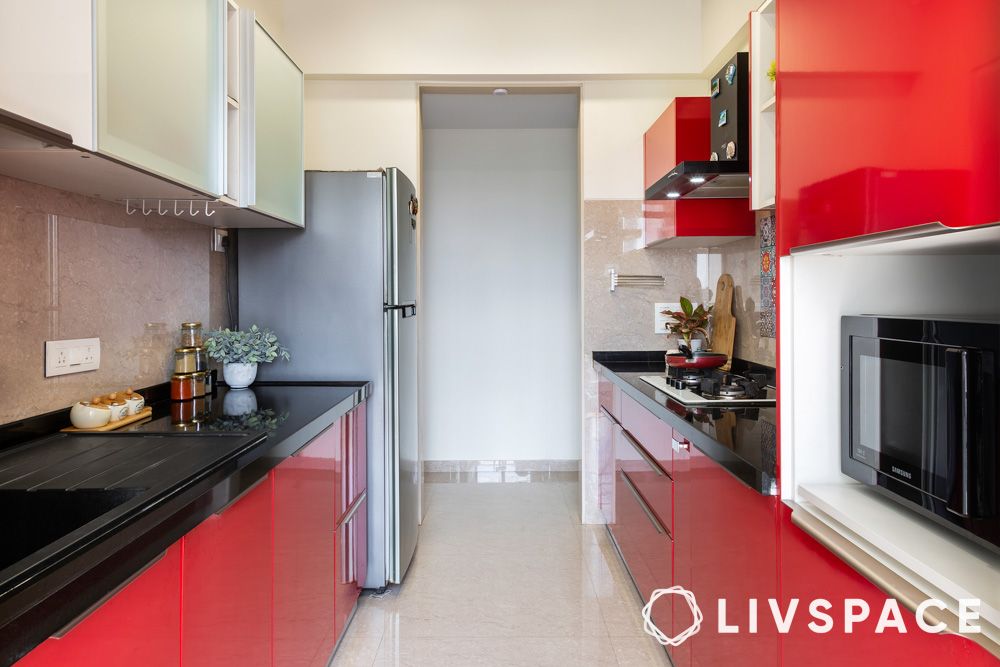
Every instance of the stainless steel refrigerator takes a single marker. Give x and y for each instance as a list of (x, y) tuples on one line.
[(341, 294)]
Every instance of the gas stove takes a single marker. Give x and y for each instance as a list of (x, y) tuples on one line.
[(713, 387)]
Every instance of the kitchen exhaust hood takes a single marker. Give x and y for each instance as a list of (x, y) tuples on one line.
[(725, 172)]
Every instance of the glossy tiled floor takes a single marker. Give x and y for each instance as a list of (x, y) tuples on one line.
[(505, 574)]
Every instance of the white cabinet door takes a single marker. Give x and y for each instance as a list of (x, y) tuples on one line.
[(161, 86), (272, 103)]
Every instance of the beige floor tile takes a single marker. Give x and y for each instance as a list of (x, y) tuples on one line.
[(505, 574), (635, 652), (499, 652)]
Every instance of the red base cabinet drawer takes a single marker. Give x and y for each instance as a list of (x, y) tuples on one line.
[(352, 563), (226, 614), (139, 625), (810, 571), (642, 538), (725, 547), (305, 494), (652, 433)]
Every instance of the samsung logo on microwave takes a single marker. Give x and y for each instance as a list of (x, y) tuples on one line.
[(901, 472)]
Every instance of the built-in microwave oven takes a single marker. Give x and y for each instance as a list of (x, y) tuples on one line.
[(920, 416)]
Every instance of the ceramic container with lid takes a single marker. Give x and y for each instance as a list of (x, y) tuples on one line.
[(89, 414)]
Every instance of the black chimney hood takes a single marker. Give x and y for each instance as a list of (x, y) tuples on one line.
[(725, 174)]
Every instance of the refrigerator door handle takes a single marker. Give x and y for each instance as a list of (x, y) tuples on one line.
[(409, 309)]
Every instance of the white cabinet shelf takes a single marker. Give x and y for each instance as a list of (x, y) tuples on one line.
[(764, 103)]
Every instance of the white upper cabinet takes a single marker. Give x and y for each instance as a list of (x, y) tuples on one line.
[(271, 108), (161, 87), (189, 105)]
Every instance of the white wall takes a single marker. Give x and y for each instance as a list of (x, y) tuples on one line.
[(614, 117), (362, 125), (419, 40), (501, 292), (724, 30)]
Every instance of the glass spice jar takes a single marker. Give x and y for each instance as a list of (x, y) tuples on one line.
[(184, 386), (190, 360), (191, 334)]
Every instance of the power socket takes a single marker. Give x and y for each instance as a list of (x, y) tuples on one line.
[(63, 357), (220, 239)]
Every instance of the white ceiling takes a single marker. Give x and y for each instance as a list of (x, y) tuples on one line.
[(483, 110)]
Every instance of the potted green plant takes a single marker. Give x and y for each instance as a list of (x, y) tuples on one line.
[(772, 74), (241, 351), (688, 321)]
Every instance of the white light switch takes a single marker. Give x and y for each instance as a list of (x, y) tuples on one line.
[(63, 357), (660, 320)]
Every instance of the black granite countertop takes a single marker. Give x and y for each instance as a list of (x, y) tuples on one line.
[(752, 455), (118, 500)]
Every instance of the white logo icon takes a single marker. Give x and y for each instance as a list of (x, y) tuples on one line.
[(658, 634)]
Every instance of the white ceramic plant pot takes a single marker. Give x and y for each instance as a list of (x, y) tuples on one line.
[(239, 376), (696, 344), (239, 402)]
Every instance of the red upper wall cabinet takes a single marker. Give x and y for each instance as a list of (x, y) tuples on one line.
[(898, 126), (682, 133)]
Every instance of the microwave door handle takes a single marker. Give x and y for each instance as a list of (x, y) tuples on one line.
[(959, 392)]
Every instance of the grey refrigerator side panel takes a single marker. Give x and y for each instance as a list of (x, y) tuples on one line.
[(321, 291)]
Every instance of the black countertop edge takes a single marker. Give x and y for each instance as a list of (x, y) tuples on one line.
[(49, 600), (759, 480), (654, 361)]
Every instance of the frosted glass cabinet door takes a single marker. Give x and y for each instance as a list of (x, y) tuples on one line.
[(160, 87), (279, 184)]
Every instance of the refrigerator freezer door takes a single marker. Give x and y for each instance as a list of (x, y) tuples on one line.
[(401, 431), (401, 238)]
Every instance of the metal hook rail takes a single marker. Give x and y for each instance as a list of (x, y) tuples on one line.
[(177, 210)]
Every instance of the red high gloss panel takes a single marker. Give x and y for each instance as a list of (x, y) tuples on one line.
[(810, 571), (647, 552), (888, 116), (226, 617), (359, 449), (305, 496), (724, 548), (139, 625), (352, 558), (682, 132)]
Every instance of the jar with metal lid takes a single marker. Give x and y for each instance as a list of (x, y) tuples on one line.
[(190, 360), (191, 334), (200, 383), (185, 386)]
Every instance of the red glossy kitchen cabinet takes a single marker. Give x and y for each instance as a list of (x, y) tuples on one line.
[(810, 571), (352, 562), (305, 519), (725, 547), (226, 613), (682, 133), (895, 127), (639, 527), (354, 473), (138, 625)]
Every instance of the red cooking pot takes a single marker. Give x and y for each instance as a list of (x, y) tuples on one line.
[(687, 358)]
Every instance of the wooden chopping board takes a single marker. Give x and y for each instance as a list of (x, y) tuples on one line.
[(723, 321)]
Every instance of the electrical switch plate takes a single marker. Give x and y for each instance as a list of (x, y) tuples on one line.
[(63, 357), (659, 320), (219, 239)]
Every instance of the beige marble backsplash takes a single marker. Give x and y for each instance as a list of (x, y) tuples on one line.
[(623, 320), (79, 267)]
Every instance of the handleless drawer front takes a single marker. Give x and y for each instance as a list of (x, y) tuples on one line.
[(610, 398), (653, 434)]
